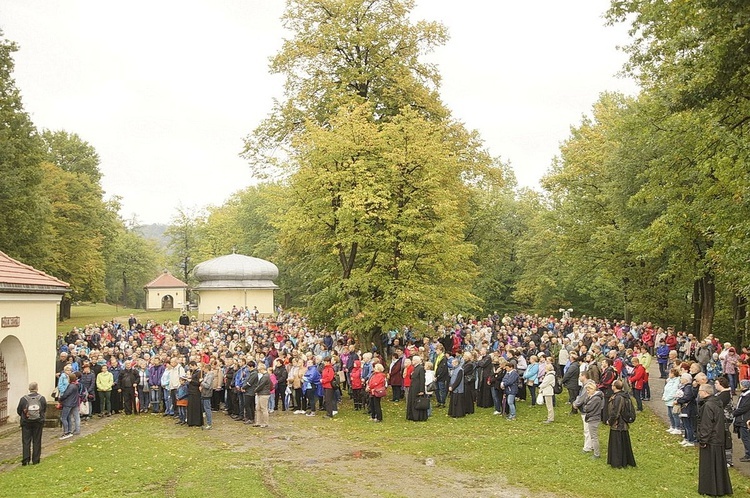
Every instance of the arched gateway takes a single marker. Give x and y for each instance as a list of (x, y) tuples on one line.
[(28, 324)]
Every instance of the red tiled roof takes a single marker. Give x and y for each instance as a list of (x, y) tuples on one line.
[(15, 275), (166, 279)]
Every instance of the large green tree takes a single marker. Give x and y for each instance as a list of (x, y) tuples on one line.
[(692, 58), (72, 154), (385, 204), (378, 171), (343, 52), (22, 203)]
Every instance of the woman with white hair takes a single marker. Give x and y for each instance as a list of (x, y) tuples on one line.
[(416, 391), (457, 406)]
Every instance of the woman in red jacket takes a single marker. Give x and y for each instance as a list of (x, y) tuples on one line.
[(326, 378), (377, 389), (637, 380), (355, 377)]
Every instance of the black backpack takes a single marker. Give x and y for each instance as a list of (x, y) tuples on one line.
[(628, 411), (557, 389)]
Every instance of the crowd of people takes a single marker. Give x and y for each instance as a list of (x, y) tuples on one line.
[(250, 366)]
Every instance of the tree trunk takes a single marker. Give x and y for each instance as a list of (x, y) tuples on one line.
[(697, 308), (65, 305), (739, 319), (626, 300), (708, 302)]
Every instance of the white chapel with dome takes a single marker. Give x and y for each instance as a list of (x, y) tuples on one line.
[(235, 280)]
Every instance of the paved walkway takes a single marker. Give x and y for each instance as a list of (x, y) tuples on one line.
[(10, 440), (658, 407)]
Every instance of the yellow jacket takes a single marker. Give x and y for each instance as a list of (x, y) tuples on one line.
[(104, 381)]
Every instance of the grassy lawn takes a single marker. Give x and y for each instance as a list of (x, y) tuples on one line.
[(87, 313), (150, 456)]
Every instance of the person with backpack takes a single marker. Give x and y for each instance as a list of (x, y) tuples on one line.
[(621, 414), (31, 409)]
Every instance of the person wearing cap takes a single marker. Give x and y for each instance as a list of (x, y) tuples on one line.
[(713, 474), (742, 419)]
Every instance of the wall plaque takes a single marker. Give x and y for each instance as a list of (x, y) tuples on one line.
[(11, 321)]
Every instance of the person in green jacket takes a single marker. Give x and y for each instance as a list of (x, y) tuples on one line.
[(104, 383)]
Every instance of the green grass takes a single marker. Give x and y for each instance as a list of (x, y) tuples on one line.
[(542, 457), (89, 313), (137, 457), (149, 456)]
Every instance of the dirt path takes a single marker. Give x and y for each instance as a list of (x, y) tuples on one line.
[(295, 442), (10, 440)]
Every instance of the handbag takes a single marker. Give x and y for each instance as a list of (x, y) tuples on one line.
[(85, 408), (422, 403), (539, 399), (431, 387), (676, 409), (379, 392)]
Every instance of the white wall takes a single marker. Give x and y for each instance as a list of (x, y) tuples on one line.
[(29, 350), (154, 297), (226, 298)]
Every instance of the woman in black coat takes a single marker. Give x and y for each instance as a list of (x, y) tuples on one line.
[(194, 408), (484, 371), (470, 376), (417, 389), (456, 406)]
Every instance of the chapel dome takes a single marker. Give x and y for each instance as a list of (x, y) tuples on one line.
[(236, 271)]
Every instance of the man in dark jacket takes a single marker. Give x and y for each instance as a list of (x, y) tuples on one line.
[(128, 382), (510, 386), (248, 391), (570, 381), (396, 375), (713, 474), (442, 376), (31, 409)]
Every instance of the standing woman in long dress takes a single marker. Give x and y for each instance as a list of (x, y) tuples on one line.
[(470, 371), (416, 389), (620, 450), (457, 407), (194, 408)]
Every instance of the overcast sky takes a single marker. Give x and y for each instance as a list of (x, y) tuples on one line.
[(166, 90)]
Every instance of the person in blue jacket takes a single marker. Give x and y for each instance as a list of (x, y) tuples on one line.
[(510, 386)]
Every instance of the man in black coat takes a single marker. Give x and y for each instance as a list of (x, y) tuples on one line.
[(31, 409), (713, 474), (248, 391), (128, 382), (570, 381), (442, 376)]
